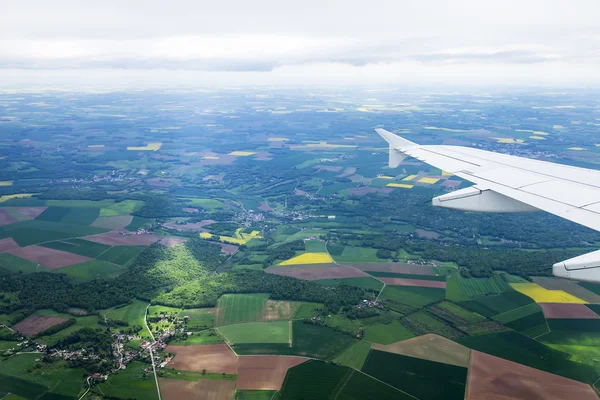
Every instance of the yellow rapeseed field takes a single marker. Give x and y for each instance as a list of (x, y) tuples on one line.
[(409, 178), (149, 147), (445, 173), (309, 258), (400, 185), (430, 181), (241, 153), (6, 183), (205, 235), (542, 295), (239, 238), (14, 196)]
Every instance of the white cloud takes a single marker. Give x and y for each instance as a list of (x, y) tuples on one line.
[(546, 42)]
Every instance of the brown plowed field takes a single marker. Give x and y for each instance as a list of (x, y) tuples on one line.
[(413, 282), (116, 222), (7, 244), (203, 389), (564, 310), (6, 218), (172, 241), (264, 372), (569, 287), (398, 268), (214, 358), (430, 347), (31, 212), (121, 237), (48, 258), (311, 274), (193, 226), (492, 378), (37, 323), (228, 248)]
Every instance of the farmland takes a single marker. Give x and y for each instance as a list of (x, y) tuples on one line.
[(257, 332), (131, 382), (355, 356), (462, 289), (387, 333)]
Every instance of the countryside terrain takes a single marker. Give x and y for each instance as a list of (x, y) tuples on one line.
[(253, 244)]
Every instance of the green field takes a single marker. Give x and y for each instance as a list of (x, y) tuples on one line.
[(79, 246), (523, 350), (423, 322), (138, 223), (380, 274), (200, 318), (355, 356), (420, 378), (387, 333), (363, 387), (257, 332), (463, 289), (10, 264), (54, 377), (308, 340), (26, 233), (412, 296), (492, 305), (93, 269), (314, 380), (121, 255), (357, 254), (314, 246), (521, 312), (254, 394), (124, 207), (70, 215), (365, 283), (207, 336), (307, 310), (133, 314), (90, 321), (237, 308), (132, 382), (207, 204), (462, 314)]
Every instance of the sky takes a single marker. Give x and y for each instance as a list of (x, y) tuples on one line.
[(308, 42)]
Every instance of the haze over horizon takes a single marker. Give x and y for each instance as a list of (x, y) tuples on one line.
[(145, 43)]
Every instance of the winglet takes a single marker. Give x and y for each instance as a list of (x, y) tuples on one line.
[(398, 145)]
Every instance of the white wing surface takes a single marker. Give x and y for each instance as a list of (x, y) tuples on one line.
[(505, 183)]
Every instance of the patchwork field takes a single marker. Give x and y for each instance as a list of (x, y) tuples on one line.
[(568, 286), (37, 323), (202, 389), (123, 237), (355, 356), (114, 222), (30, 232), (311, 273), (542, 295), (7, 244), (48, 258), (365, 283), (430, 347), (412, 296), (492, 305), (387, 333), (121, 255), (264, 372), (494, 378), (92, 269), (78, 246), (214, 358), (462, 289)]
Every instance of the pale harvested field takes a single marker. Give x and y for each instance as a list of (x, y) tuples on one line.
[(203, 389), (215, 358), (191, 226), (121, 237), (31, 212), (37, 323), (264, 372), (7, 244), (569, 287), (398, 268), (6, 218), (48, 258), (413, 282), (494, 378), (311, 273), (565, 310), (274, 310), (430, 347), (116, 222)]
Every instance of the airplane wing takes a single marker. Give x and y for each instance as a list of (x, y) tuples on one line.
[(505, 183)]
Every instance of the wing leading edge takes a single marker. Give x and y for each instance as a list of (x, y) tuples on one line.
[(504, 183)]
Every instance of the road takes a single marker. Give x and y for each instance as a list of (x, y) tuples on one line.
[(150, 348)]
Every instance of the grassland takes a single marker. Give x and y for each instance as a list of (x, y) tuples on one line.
[(420, 378), (306, 310), (315, 246), (132, 382), (90, 321), (387, 333), (124, 207), (542, 295), (357, 254), (355, 356), (237, 308), (257, 332), (133, 314), (10, 264), (121, 255), (207, 204), (412, 296), (497, 304), (93, 269), (460, 312), (207, 336), (200, 318), (462, 289)]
